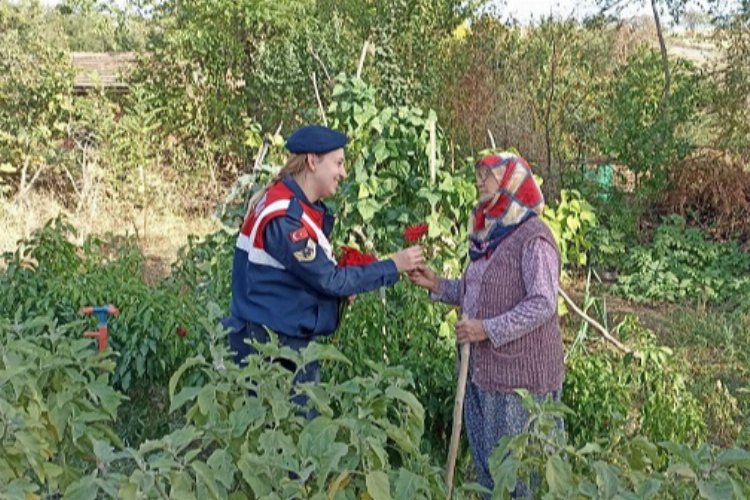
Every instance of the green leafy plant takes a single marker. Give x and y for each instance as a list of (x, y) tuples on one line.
[(615, 397), (56, 405), (572, 221), (637, 129), (50, 274), (35, 92), (636, 468), (398, 176), (402, 327), (680, 264), (366, 437)]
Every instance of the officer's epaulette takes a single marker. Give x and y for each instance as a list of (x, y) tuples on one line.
[(295, 209)]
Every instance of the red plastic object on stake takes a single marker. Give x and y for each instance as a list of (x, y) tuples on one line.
[(102, 313)]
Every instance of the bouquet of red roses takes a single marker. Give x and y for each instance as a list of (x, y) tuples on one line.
[(352, 257)]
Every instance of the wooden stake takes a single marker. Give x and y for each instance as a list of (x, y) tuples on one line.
[(361, 63), (433, 153), (458, 410), (317, 97)]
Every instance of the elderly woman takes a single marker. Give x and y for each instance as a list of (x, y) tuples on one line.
[(509, 294)]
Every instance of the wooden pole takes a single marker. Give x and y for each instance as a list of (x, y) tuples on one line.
[(317, 97), (433, 153), (458, 409), (361, 63)]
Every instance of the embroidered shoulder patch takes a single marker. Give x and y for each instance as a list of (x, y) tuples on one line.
[(298, 235), (307, 254)]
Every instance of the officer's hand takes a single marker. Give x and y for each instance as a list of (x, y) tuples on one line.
[(425, 277), (408, 259)]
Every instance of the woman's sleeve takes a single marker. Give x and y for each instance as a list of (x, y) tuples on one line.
[(449, 292), (540, 267)]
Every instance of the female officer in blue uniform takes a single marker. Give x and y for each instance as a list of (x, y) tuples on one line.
[(284, 275)]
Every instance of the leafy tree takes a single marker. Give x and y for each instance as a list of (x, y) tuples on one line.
[(407, 39), (730, 106), (635, 131), (217, 68), (35, 92), (535, 90), (99, 26)]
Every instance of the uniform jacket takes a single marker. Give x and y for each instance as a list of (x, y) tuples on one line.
[(284, 274)]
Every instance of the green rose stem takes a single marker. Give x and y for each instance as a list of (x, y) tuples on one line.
[(458, 408)]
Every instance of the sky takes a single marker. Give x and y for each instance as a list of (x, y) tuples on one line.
[(527, 10)]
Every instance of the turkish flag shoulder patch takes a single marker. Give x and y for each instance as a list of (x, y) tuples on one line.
[(298, 235)]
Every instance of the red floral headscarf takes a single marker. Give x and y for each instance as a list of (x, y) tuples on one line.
[(517, 199)]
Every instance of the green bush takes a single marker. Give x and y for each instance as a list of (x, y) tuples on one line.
[(639, 130), (366, 437), (56, 406), (615, 396), (35, 94), (572, 221), (402, 327), (633, 468), (680, 264), (49, 274)]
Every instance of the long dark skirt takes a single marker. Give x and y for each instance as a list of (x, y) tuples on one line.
[(489, 416)]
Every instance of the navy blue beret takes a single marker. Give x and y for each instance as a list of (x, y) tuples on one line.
[(315, 139)]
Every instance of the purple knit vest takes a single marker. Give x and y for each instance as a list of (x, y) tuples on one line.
[(535, 361)]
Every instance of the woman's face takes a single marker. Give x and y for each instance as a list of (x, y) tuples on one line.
[(328, 172), (487, 184)]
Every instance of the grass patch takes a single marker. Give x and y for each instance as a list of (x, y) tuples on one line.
[(716, 349)]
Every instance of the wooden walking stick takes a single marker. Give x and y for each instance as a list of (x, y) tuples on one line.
[(458, 409)]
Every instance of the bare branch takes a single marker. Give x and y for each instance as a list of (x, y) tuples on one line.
[(26, 188), (591, 321), (72, 181), (322, 65), (320, 103), (492, 139), (264, 150)]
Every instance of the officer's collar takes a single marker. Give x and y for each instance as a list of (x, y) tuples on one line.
[(298, 193)]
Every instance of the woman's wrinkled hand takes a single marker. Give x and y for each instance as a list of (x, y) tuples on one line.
[(425, 277), (469, 331)]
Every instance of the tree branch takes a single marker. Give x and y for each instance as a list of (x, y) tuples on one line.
[(317, 58), (591, 321), (317, 96), (664, 60)]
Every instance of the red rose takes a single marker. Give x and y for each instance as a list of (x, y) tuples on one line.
[(181, 331), (415, 232), (353, 257)]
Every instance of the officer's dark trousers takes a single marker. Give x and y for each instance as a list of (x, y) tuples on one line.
[(253, 331)]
